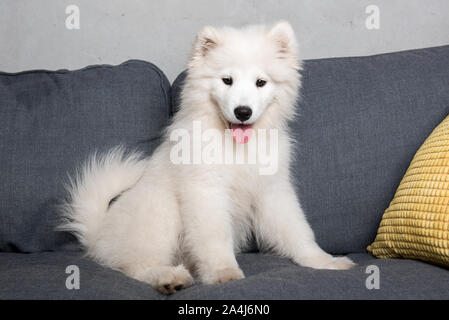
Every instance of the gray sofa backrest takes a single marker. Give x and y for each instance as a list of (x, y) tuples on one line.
[(50, 122), (360, 122)]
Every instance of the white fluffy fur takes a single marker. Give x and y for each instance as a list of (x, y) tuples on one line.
[(171, 221)]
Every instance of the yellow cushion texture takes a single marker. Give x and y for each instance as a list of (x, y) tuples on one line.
[(416, 224)]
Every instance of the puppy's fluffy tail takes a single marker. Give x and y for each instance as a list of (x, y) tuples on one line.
[(101, 179)]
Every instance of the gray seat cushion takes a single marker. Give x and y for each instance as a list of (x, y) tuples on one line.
[(51, 121), (269, 277), (360, 122), (42, 276)]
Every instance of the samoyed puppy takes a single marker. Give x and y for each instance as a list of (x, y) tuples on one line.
[(166, 222)]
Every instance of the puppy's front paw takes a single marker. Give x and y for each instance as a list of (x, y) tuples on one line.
[(223, 275), (174, 279), (329, 262), (340, 263)]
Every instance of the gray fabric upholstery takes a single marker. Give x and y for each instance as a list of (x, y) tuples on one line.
[(51, 121), (269, 277), (360, 122), (42, 276)]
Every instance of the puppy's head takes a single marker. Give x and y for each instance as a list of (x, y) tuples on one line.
[(248, 71)]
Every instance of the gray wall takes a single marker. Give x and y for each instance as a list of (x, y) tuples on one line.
[(33, 33)]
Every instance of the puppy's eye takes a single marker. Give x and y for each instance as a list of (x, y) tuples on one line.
[(227, 81), (260, 83)]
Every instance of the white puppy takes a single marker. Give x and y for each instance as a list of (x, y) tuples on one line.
[(170, 220)]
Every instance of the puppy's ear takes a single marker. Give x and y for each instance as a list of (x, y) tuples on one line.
[(284, 38), (206, 40)]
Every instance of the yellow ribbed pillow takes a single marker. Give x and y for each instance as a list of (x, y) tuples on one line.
[(416, 224)]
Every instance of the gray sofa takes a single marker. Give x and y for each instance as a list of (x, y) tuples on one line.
[(360, 122)]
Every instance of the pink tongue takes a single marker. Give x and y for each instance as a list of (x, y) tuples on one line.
[(241, 132)]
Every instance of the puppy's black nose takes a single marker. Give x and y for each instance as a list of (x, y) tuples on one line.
[(243, 113)]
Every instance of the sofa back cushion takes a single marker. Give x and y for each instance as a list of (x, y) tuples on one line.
[(50, 122), (360, 122)]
